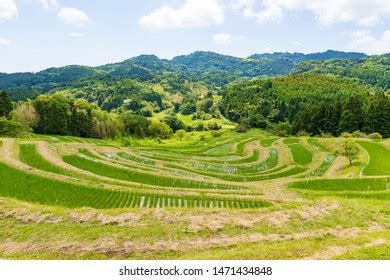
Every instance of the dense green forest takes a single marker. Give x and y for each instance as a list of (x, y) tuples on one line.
[(373, 70), (326, 93), (312, 104)]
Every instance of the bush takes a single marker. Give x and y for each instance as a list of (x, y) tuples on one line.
[(216, 134), (326, 135), (160, 130), (201, 116), (346, 135), (242, 127), (174, 123), (358, 134), (199, 126), (214, 126), (375, 135), (302, 133), (10, 128), (282, 129)]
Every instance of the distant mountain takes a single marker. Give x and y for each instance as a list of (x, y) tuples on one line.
[(275, 64), (298, 57), (329, 54)]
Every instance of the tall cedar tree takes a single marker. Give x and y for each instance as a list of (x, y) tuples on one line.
[(5, 104)]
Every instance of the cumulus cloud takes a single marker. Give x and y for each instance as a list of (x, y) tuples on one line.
[(8, 9), (361, 12), (73, 16), (47, 4), (194, 13), (4, 42), (364, 41), (222, 38)]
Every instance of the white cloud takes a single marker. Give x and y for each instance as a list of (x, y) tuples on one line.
[(73, 16), (364, 41), (8, 9), (47, 4), (361, 12), (222, 38), (194, 13), (4, 42)]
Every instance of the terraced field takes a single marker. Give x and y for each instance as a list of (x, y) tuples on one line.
[(245, 196)]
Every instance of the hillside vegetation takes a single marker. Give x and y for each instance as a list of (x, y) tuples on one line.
[(312, 104)]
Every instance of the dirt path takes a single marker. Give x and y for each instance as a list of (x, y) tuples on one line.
[(338, 164)]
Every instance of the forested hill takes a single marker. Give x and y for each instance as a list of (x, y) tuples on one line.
[(309, 103), (210, 68), (298, 57), (373, 70)]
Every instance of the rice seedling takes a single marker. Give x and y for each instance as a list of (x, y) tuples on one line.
[(364, 184), (378, 161), (267, 142), (33, 188), (30, 156), (300, 155), (95, 166)]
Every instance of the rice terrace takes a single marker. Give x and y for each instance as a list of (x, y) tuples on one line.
[(246, 195)]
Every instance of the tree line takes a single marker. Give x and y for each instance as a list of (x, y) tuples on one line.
[(62, 114)]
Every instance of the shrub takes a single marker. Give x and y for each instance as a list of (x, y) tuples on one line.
[(241, 128), (201, 116), (302, 133), (160, 130), (358, 134), (326, 135), (282, 129), (199, 126), (214, 126), (346, 135), (174, 123), (216, 133), (375, 135)]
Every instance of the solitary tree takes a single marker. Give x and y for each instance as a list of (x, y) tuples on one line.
[(350, 150), (5, 104)]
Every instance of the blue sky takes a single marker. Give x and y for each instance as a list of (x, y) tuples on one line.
[(37, 34)]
